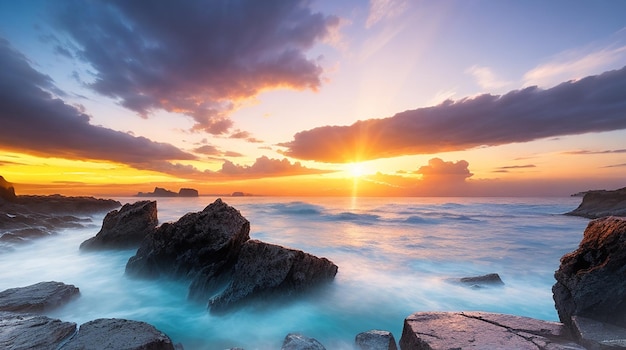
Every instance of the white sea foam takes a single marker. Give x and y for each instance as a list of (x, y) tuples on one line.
[(394, 257)]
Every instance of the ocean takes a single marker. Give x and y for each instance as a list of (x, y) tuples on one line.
[(396, 256)]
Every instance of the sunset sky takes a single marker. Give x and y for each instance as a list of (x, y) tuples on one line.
[(284, 97)]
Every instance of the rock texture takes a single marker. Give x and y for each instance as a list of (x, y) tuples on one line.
[(7, 191), (187, 192), (24, 331), (37, 297), (126, 227), (112, 333), (591, 281), (295, 341), (375, 340), (264, 268), (477, 282), (482, 330), (206, 242), (595, 335), (600, 203)]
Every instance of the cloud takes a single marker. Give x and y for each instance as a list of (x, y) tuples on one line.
[(615, 166), (384, 9), (265, 167), (506, 169), (486, 78), (583, 152), (211, 150), (198, 58), (593, 104), (439, 170), (34, 121), (244, 135)]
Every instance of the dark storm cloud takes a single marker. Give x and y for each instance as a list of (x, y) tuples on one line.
[(195, 57), (34, 121), (593, 104)]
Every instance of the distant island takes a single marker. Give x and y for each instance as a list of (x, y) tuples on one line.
[(162, 192)]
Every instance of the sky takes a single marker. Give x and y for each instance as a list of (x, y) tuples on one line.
[(313, 98)]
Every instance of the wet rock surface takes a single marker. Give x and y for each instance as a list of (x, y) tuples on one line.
[(296, 341), (264, 268), (38, 297), (375, 340), (595, 335), (482, 330), (126, 227), (26, 331), (590, 281), (600, 203)]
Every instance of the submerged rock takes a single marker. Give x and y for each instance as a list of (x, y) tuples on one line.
[(295, 341), (482, 330), (375, 340), (210, 238), (600, 203), (37, 297), (112, 333), (264, 269), (590, 280), (26, 332), (126, 227)]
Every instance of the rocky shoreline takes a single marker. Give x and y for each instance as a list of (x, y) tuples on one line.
[(213, 251)]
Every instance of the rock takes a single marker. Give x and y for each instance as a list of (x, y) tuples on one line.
[(126, 227), (7, 191), (207, 241), (158, 192), (482, 330), (477, 282), (595, 335), (37, 297), (187, 192), (24, 331), (590, 280), (600, 203), (264, 269), (375, 340), (111, 333), (294, 341)]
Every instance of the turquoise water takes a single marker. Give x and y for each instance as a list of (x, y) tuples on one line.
[(395, 256)]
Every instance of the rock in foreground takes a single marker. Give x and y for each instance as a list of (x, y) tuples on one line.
[(375, 340), (591, 281), (126, 227), (37, 297), (264, 268), (482, 330), (23, 331), (295, 341), (112, 333), (600, 203)]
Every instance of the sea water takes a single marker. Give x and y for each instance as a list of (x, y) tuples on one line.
[(396, 256)]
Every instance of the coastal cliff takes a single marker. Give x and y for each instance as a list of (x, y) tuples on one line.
[(600, 203)]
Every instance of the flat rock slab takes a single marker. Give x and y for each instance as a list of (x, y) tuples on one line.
[(598, 335), (37, 297), (482, 330), (22, 331), (112, 333)]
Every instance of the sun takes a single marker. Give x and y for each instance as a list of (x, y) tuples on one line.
[(356, 169)]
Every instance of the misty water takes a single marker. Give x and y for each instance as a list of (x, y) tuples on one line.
[(395, 257)]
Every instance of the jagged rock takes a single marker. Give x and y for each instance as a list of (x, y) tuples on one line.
[(187, 192), (111, 333), (590, 280), (7, 191), (477, 282), (202, 241), (126, 227), (482, 330), (295, 341), (25, 331), (375, 340), (595, 335), (600, 203), (37, 297), (264, 269)]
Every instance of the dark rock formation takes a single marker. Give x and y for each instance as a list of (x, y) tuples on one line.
[(294, 341), (264, 268), (118, 334), (375, 340), (24, 331), (591, 281), (187, 192), (37, 297), (237, 194), (600, 203), (477, 282), (482, 330), (206, 242), (7, 191), (595, 335), (126, 227)]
